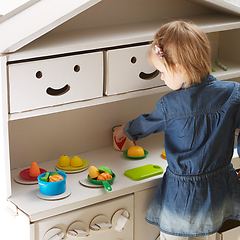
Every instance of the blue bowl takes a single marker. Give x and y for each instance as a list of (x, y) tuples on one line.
[(52, 188)]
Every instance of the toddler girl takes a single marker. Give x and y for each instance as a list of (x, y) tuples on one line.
[(200, 188)]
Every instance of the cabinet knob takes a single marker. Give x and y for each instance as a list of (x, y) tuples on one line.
[(54, 234), (58, 236), (119, 219), (77, 233), (77, 229), (100, 223)]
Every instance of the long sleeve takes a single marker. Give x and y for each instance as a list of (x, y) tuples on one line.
[(146, 124), (238, 126)]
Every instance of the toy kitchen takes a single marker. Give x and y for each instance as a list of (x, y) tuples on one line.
[(70, 72)]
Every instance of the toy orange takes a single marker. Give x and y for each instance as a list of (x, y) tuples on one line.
[(34, 170), (104, 176), (55, 178), (135, 151)]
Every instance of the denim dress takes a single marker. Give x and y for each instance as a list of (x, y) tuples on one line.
[(200, 188)]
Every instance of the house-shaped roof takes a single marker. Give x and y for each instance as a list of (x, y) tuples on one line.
[(52, 24), (34, 19)]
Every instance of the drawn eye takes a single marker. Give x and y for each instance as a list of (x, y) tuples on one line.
[(76, 68), (38, 74), (133, 60)]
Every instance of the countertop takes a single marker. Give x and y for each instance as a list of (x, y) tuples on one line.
[(25, 198)]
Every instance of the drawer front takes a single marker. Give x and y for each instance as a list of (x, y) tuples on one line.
[(128, 70), (55, 81)]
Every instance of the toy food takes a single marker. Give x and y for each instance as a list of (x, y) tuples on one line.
[(104, 176), (93, 172), (64, 161), (54, 173), (135, 151), (76, 161), (163, 155), (45, 178), (55, 178), (34, 170), (105, 169)]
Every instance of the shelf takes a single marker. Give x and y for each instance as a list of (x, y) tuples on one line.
[(87, 103), (232, 72), (112, 36)]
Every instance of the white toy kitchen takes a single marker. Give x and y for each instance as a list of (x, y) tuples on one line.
[(72, 70)]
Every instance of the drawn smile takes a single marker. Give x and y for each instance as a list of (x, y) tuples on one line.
[(148, 76), (58, 92)]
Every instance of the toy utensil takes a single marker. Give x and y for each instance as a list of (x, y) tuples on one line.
[(105, 183)]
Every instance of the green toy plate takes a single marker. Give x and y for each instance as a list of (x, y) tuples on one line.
[(145, 154)]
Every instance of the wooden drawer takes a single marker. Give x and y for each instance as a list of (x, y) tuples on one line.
[(128, 69), (55, 81)]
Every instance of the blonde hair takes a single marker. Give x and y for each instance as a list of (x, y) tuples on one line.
[(184, 44)]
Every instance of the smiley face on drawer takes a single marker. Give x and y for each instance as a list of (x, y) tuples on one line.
[(143, 75), (56, 92), (129, 70), (55, 81)]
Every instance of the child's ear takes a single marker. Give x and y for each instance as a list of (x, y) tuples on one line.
[(180, 69)]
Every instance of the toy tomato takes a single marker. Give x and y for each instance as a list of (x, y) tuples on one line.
[(55, 178)]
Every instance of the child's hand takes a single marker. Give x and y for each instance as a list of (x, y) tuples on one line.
[(118, 133)]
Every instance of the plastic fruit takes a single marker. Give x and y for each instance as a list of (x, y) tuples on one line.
[(34, 170), (76, 162), (64, 161), (104, 176), (135, 151), (55, 178), (93, 172), (163, 154)]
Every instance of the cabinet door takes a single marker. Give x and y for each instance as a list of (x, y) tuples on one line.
[(144, 230)]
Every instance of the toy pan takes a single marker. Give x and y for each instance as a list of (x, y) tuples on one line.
[(105, 183)]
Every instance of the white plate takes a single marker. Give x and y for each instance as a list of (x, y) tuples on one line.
[(54, 197)]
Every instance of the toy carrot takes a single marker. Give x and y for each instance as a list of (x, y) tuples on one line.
[(34, 170)]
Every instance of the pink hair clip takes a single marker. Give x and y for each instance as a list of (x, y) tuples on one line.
[(159, 52)]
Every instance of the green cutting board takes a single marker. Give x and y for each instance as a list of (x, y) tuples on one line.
[(143, 172)]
